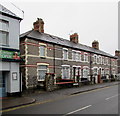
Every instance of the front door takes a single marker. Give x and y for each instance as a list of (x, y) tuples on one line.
[(2, 85)]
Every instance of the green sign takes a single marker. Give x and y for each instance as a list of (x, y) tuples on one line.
[(4, 54)]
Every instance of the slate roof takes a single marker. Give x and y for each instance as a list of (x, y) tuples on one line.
[(7, 12), (60, 41)]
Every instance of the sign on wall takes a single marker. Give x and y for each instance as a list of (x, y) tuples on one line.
[(11, 55)]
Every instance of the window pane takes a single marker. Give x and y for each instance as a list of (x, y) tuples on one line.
[(41, 74), (42, 50), (3, 38), (42, 67), (4, 26), (65, 71), (74, 55)]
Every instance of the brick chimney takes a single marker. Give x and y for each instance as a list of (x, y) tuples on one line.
[(95, 44), (74, 38), (39, 25), (117, 53)]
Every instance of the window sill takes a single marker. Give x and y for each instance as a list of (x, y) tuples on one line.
[(43, 57), (4, 45)]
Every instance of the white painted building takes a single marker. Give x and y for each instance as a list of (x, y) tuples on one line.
[(9, 52)]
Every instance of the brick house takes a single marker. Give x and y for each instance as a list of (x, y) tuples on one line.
[(67, 59)]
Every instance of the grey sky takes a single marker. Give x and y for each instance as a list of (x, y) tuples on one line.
[(91, 20)]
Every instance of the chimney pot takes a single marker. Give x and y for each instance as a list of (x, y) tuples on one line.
[(95, 44), (39, 25), (117, 53)]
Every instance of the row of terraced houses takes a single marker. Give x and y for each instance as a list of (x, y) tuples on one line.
[(67, 59)]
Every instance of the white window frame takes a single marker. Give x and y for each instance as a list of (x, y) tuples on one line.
[(103, 72), (86, 68), (106, 60), (4, 30), (107, 72), (41, 64), (94, 69), (78, 57), (73, 55), (85, 57), (68, 71), (95, 59), (65, 49), (45, 52), (113, 71), (100, 59), (103, 60)]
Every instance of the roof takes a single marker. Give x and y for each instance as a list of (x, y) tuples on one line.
[(63, 42), (7, 12)]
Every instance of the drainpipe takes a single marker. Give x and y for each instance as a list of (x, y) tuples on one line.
[(90, 67), (110, 68), (20, 84), (54, 57)]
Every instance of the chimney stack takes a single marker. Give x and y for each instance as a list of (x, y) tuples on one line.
[(39, 25), (74, 38), (117, 53), (95, 44)]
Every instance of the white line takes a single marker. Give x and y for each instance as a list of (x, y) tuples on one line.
[(77, 110), (111, 97)]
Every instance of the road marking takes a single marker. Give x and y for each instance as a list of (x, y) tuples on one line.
[(37, 103), (51, 100), (97, 89), (78, 110), (111, 97)]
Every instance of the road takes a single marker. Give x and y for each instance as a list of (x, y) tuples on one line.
[(99, 101)]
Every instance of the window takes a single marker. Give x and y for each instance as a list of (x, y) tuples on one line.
[(107, 71), (95, 71), (95, 58), (4, 32), (106, 60), (3, 38), (100, 60), (85, 73), (85, 57), (43, 50), (65, 72), (65, 54), (102, 72), (42, 70), (73, 55), (77, 56), (113, 71)]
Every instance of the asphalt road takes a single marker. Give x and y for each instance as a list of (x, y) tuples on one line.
[(99, 101)]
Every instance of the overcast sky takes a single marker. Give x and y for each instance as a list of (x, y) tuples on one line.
[(92, 20)]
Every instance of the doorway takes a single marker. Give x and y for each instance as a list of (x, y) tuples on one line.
[(3, 92)]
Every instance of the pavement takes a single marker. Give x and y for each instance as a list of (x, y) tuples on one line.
[(40, 95)]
